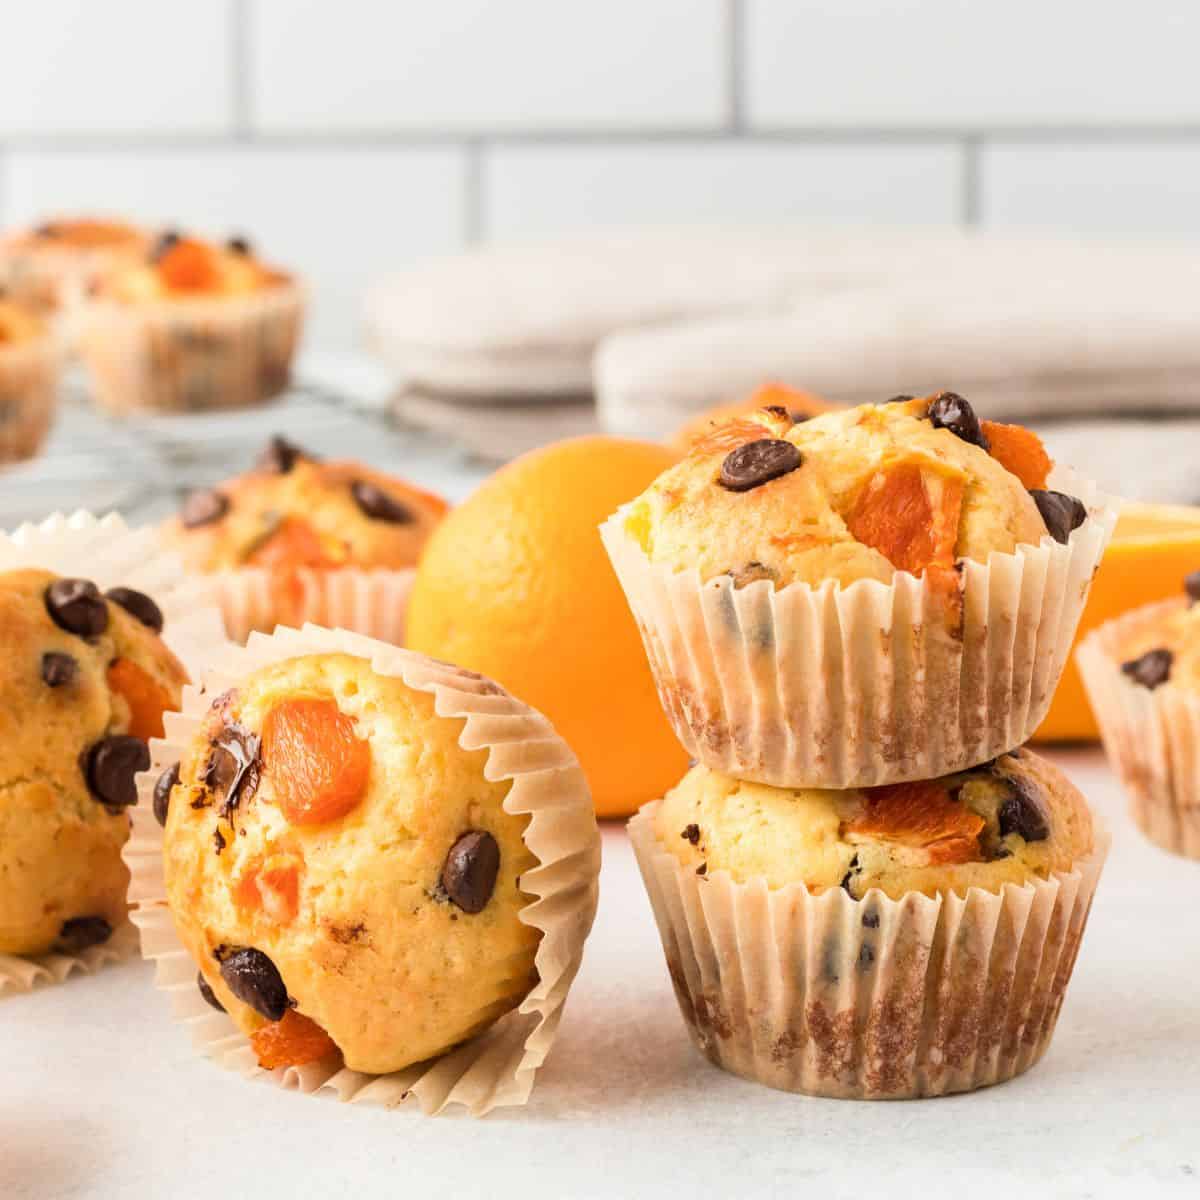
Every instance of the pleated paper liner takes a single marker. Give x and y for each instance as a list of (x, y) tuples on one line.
[(1151, 736), (108, 552), (371, 602), (29, 373), (862, 685), (194, 354), (866, 999), (497, 1067)]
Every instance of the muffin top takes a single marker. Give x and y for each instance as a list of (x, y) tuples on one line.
[(1008, 821), (18, 323), (178, 267), (1167, 648), (77, 233), (84, 681), (292, 510), (799, 405), (333, 854), (911, 485)]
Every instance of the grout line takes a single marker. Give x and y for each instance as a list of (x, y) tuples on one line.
[(240, 66), (970, 182), (735, 23), (473, 188)]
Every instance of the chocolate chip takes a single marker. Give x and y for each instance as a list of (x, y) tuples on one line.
[(758, 462), (1021, 811), (138, 605), (1150, 669), (1191, 586), (750, 572), (798, 417), (702, 869), (218, 841), (81, 932), (901, 399), (1062, 513), (375, 503), (58, 670), (777, 410), (203, 508), (691, 833), (164, 242), (233, 767), (163, 787), (210, 997), (77, 606), (948, 410), (469, 874), (110, 767), (279, 456), (255, 980), (851, 871), (239, 245)]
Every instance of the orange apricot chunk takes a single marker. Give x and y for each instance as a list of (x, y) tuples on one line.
[(146, 697), (273, 886), (291, 1041), (922, 815), (317, 764), (910, 515), (189, 266), (729, 436), (1020, 451), (294, 543)]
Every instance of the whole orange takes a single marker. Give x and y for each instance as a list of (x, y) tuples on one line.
[(515, 583)]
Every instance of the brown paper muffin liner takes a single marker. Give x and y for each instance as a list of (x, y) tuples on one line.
[(107, 551), (497, 1067), (866, 999), (371, 602), (29, 374), (191, 355), (1152, 737), (867, 684)]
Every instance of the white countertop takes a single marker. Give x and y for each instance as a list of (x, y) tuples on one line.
[(104, 1097)]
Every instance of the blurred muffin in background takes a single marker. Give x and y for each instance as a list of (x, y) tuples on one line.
[(29, 367), (798, 404), (297, 540), (51, 266), (191, 326)]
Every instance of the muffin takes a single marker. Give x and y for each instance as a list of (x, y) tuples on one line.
[(1142, 674), (800, 406), (913, 939), (877, 594), (52, 266), (85, 680), (371, 860), (29, 368), (297, 540), (191, 326)]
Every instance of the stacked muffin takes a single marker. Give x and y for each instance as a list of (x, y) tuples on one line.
[(865, 888)]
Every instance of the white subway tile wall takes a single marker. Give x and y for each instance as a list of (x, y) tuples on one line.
[(355, 137)]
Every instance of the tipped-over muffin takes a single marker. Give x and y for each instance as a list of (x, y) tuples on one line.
[(342, 871), (84, 681)]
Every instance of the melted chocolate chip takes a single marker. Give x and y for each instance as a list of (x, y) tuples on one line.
[(58, 670), (901, 399), (210, 997), (948, 410), (138, 605), (375, 503), (1062, 513), (164, 242), (1021, 811), (218, 841), (851, 871), (77, 606), (163, 786), (758, 462), (81, 932), (233, 766), (691, 833), (470, 870), (239, 245), (1150, 669), (702, 869), (1191, 586), (255, 980), (777, 410), (279, 456), (110, 766), (203, 508)]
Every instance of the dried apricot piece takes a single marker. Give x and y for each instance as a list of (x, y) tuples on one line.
[(272, 885), (318, 765), (146, 697), (189, 266), (293, 543), (909, 513), (729, 436), (923, 815), (291, 1041), (1020, 451)]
